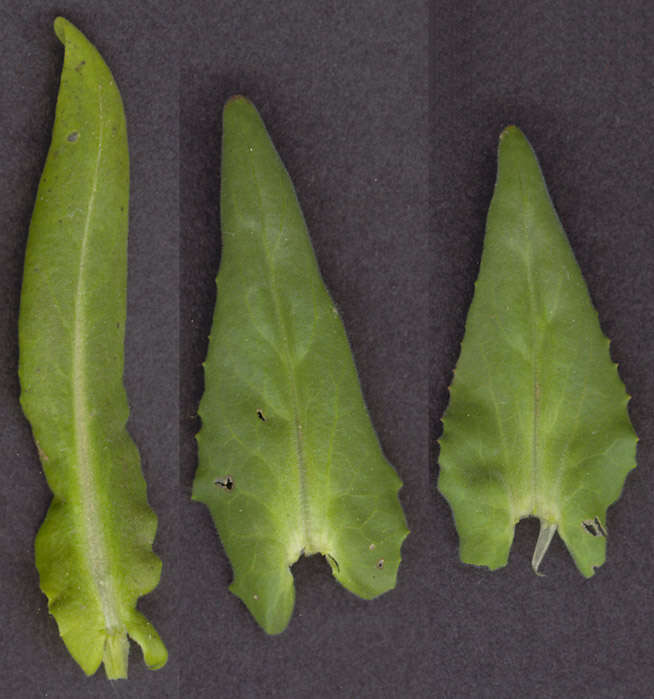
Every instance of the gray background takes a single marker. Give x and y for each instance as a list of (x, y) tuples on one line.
[(387, 117)]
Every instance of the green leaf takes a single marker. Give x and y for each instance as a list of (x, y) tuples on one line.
[(93, 551), (288, 460), (537, 422)]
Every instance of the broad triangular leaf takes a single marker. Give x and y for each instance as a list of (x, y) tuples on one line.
[(537, 422), (288, 460), (94, 549)]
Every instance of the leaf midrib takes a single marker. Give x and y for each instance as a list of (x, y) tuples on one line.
[(535, 505), (305, 519), (97, 553)]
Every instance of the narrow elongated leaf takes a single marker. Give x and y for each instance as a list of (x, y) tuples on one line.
[(93, 551), (288, 460), (537, 422)]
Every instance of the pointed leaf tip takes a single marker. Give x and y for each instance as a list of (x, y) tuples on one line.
[(60, 25), (238, 104), (513, 137), (237, 98), (511, 128)]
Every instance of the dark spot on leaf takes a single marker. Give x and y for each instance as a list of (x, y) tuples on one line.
[(73, 136), (226, 483), (589, 528), (333, 561), (78, 67), (261, 416), (380, 563), (594, 527)]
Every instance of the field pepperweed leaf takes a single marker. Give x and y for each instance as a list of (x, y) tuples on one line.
[(288, 460), (537, 422), (94, 549)]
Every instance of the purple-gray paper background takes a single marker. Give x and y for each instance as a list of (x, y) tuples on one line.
[(387, 117)]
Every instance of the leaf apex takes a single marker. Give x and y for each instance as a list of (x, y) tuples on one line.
[(238, 99), (60, 25), (510, 130), (65, 30)]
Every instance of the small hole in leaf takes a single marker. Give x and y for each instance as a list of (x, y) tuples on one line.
[(594, 527), (590, 528), (73, 136), (599, 526), (261, 416), (371, 547), (380, 563), (225, 483)]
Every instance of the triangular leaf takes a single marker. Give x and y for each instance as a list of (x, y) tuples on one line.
[(288, 460), (537, 422)]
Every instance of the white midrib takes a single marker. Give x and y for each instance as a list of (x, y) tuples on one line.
[(95, 544), (536, 387), (299, 440), (299, 445), (547, 528), (305, 514)]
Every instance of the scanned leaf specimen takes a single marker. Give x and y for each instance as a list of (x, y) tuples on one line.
[(537, 422), (288, 460), (93, 551)]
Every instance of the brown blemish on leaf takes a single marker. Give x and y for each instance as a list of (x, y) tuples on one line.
[(333, 561), (226, 483), (594, 527)]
